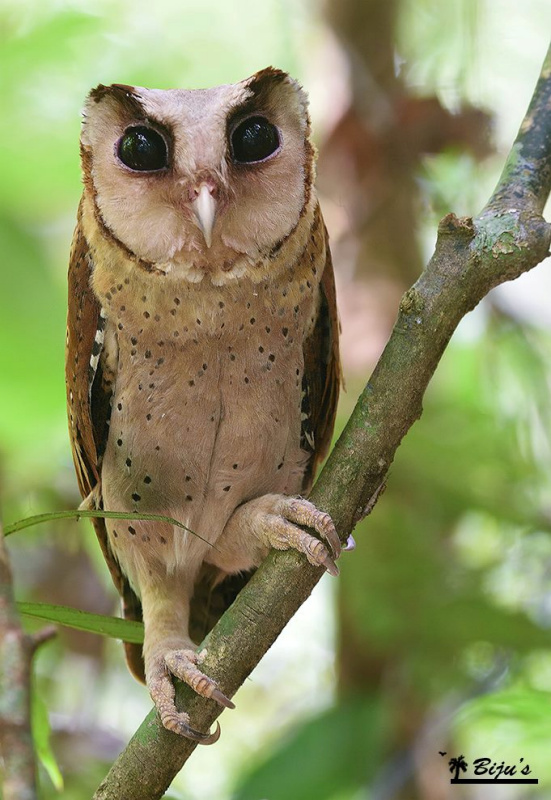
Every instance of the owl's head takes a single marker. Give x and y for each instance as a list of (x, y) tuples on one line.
[(199, 179)]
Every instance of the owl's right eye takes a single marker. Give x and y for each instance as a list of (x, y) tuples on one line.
[(143, 149)]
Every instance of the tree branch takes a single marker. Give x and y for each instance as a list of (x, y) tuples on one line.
[(508, 238), (16, 653)]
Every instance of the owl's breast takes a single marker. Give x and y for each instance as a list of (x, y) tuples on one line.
[(201, 423)]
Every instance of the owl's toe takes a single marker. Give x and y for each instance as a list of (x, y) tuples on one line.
[(177, 722), (284, 535), (162, 692), (303, 512), (183, 665)]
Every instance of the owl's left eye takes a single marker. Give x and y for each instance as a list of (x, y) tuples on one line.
[(143, 149), (254, 140)]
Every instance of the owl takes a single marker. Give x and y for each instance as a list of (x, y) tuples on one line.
[(202, 360)]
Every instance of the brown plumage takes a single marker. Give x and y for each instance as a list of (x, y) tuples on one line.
[(202, 352)]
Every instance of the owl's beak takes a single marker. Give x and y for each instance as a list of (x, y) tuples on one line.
[(204, 208)]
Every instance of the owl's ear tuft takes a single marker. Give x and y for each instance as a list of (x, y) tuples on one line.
[(99, 92), (271, 74), (271, 77), (126, 97), (271, 87), (121, 89)]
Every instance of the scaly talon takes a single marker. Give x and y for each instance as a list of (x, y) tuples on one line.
[(275, 519), (176, 724), (183, 665), (302, 512)]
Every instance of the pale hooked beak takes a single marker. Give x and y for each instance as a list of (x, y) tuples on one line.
[(204, 208)]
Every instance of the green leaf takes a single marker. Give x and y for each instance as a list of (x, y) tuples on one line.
[(127, 630), (77, 514), (41, 737)]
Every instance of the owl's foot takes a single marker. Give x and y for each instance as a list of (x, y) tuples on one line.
[(182, 664), (273, 522)]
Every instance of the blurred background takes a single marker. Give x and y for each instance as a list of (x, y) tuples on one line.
[(437, 635)]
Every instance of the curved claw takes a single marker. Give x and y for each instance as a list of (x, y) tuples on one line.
[(330, 566), (221, 699), (197, 736), (332, 537), (302, 512)]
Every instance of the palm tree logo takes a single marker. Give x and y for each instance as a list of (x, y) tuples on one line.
[(458, 765)]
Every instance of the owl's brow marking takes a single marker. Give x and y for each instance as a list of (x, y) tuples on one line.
[(123, 94), (255, 103), (132, 102)]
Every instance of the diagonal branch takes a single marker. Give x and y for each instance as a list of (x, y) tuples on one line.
[(508, 238)]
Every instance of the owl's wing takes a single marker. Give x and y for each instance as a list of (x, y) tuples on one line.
[(322, 374), (81, 362), (88, 407)]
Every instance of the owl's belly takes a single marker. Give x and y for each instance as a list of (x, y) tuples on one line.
[(194, 433)]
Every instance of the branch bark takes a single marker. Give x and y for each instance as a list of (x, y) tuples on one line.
[(16, 653), (509, 237)]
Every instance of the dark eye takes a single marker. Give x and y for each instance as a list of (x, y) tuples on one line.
[(143, 149), (254, 139)]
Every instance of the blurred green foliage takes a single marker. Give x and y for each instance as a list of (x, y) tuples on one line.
[(329, 756)]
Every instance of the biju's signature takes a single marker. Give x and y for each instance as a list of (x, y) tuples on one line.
[(484, 770)]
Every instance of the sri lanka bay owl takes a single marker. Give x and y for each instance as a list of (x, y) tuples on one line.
[(202, 353)]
